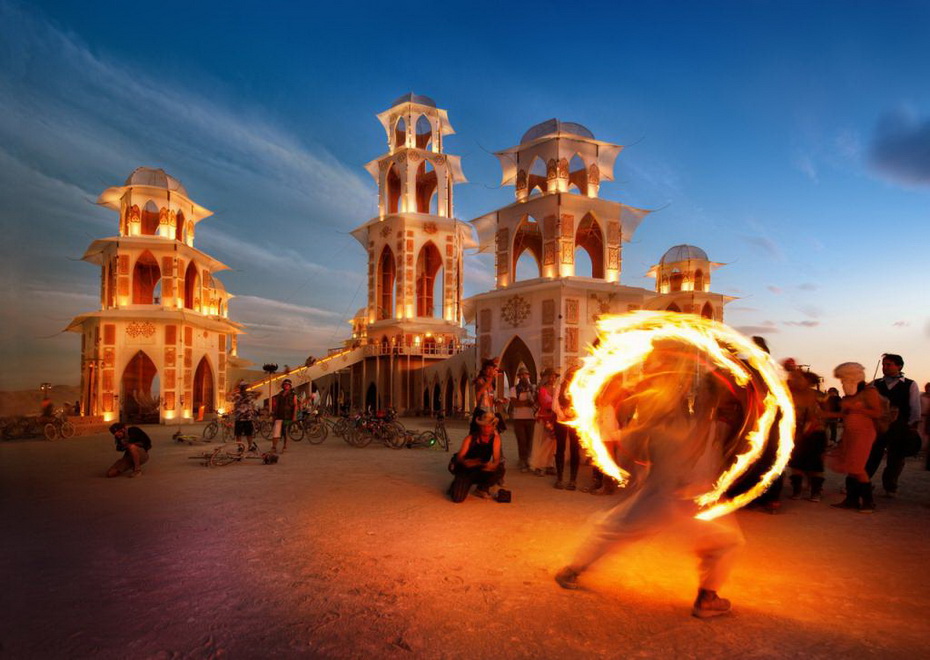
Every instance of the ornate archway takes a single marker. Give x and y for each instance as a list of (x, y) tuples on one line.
[(139, 392), (203, 395), (518, 352)]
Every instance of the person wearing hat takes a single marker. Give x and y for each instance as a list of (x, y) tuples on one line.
[(523, 416), (284, 412), (135, 445), (478, 462), (543, 453), (244, 413)]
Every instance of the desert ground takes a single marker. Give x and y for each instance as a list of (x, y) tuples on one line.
[(339, 552)]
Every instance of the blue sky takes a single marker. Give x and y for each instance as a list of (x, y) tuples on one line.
[(789, 140)]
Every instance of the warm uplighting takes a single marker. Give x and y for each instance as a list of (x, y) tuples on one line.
[(628, 340)]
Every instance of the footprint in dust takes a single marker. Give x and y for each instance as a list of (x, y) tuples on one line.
[(454, 579), (324, 620)]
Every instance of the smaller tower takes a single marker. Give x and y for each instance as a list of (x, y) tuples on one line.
[(159, 347), (683, 283)]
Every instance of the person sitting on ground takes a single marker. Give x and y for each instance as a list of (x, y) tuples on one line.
[(135, 445), (479, 461)]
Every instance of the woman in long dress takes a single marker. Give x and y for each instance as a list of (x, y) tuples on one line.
[(859, 408)]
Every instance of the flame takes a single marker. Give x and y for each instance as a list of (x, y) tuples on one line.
[(616, 367)]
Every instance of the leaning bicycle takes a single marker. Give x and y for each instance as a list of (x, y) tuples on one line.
[(437, 439), (59, 427)]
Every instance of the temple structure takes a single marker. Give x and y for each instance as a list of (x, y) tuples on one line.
[(160, 347)]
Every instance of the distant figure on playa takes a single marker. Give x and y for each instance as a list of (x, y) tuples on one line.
[(479, 461), (904, 396), (677, 451), (284, 408), (135, 445)]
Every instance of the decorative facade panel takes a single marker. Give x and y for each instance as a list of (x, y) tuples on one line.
[(571, 310), (548, 311)]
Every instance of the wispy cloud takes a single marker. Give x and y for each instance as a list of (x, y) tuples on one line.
[(777, 290), (804, 163), (900, 148), (802, 324), (751, 330), (764, 244)]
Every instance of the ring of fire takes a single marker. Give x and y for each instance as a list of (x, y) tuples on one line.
[(625, 341)]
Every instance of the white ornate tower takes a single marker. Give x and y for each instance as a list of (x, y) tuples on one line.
[(159, 347), (414, 250), (683, 283)]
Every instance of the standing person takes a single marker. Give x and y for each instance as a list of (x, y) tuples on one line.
[(135, 445), (478, 462), (284, 412), (523, 402), (565, 434), (677, 445), (544, 432), (925, 421), (244, 415), (860, 408), (810, 438), (831, 408), (904, 396)]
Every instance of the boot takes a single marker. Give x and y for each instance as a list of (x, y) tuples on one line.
[(797, 485), (816, 489), (852, 495), (709, 604), (868, 501)]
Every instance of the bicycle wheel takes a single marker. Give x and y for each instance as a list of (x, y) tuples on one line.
[(341, 426), (66, 430), (221, 456), (265, 427), (51, 431), (394, 438), (209, 431), (317, 432), (295, 431), (229, 433), (361, 438), (442, 440)]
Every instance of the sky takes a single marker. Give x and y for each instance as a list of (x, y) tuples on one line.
[(789, 140)]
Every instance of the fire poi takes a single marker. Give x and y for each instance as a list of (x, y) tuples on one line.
[(646, 361)]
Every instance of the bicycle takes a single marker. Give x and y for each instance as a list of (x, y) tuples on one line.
[(211, 429), (370, 427), (437, 439), (234, 452), (59, 427)]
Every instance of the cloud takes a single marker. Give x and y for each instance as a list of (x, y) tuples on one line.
[(765, 245), (802, 324), (810, 311), (774, 289), (900, 148), (804, 163), (807, 286), (901, 324), (752, 330)]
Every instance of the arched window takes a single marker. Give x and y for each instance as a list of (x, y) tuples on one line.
[(527, 250), (707, 311), (675, 280), (192, 287), (590, 238), (145, 277), (536, 181), (179, 227), (577, 175), (699, 280), (400, 133), (426, 188), (386, 275), (673, 308), (150, 219), (583, 265), (429, 265), (393, 185), (424, 132)]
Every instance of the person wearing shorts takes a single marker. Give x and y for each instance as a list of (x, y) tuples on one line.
[(135, 445)]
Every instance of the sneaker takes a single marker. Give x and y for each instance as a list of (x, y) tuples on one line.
[(567, 578), (135, 473), (559, 485), (570, 485), (482, 494), (708, 604)]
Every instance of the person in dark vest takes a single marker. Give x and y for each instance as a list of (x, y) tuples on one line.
[(284, 412), (479, 461), (904, 396)]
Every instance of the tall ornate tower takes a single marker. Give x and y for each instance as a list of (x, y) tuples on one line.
[(159, 347), (414, 250), (560, 221)]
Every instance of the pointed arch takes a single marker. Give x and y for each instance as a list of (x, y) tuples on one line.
[(393, 187), (517, 353), (578, 174), (429, 265), (424, 129), (150, 214), (371, 397), (400, 133), (673, 308), (386, 277), (146, 276), (527, 238), (590, 238), (708, 311), (699, 280), (427, 185), (203, 394), (192, 286), (437, 397), (139, 390), (537, 179), (450, 395)]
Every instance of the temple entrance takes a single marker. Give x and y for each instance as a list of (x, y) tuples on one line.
[(437, 398), (518, 352), (371, 397), (203, 389), (139, 391)]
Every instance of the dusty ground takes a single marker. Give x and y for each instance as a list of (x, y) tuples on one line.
[(340, 552)]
